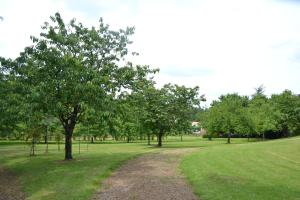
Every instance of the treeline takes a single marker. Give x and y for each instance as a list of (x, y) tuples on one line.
[(233, 115), (71, 81)]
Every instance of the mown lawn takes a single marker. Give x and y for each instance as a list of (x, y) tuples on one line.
[(48, 177), (261, 170)]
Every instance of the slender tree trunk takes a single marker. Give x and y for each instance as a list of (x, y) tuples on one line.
[(263, 136), (46, 139), (181, 137), (159, 138), (32, 150), (228, 138), (58, 145), (92, 139), (148, 136), (79, 145)]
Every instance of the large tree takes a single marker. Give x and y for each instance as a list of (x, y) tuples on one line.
[(71, 68)]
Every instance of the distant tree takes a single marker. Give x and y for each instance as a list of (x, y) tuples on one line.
[(167, 108), (287, 106), (12, 107), (263, 114), (259, 91), (186, 100), (228, 116)]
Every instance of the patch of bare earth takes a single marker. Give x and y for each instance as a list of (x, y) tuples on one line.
[(9, 186), (152, 176)]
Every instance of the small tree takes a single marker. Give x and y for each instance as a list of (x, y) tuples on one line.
[(167, 108)]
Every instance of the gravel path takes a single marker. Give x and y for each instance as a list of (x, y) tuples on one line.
[(9, 186), (152, 176)]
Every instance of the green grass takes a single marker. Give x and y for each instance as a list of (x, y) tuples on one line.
[(261, 170), (242, 170), (47, 176)]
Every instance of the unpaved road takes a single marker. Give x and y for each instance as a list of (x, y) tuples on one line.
[(153, 176), (9, 186)]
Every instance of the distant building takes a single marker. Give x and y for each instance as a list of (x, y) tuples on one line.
[(197, 129), (195, 123)]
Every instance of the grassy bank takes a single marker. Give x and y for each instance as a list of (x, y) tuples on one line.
[(262, 170)]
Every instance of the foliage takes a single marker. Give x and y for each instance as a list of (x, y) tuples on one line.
[(71, 68), (228, 116), (288, 106), (259, 115), (169, 108)]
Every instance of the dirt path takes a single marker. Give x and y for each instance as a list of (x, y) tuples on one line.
[(152, 176), (9, 186)]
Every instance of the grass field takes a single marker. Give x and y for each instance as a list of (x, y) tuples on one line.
[(242, 170), (47, 176), (261, 171)]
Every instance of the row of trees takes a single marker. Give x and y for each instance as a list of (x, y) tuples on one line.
[(274, 117), (74, 75)]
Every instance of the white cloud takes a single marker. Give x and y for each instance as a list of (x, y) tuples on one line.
[(243, 44)]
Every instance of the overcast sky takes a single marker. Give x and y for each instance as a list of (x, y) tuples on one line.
[(220, 46)]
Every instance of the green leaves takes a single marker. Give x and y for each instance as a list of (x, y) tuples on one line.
[(169, 108), (276, 116), (228, 115)]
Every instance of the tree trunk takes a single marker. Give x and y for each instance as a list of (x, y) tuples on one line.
[(148, 136), (69, 123), (58, 145), (32, 150), (92, 139), (68, 145), (46, 139), (159, 138), (79, 145), (228, 138), (181, 137), (68, 140)]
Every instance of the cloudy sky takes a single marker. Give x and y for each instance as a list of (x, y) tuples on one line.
[(221, 46)]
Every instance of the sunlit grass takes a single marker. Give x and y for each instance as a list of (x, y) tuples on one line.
[(47, 176), (262, 170)]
